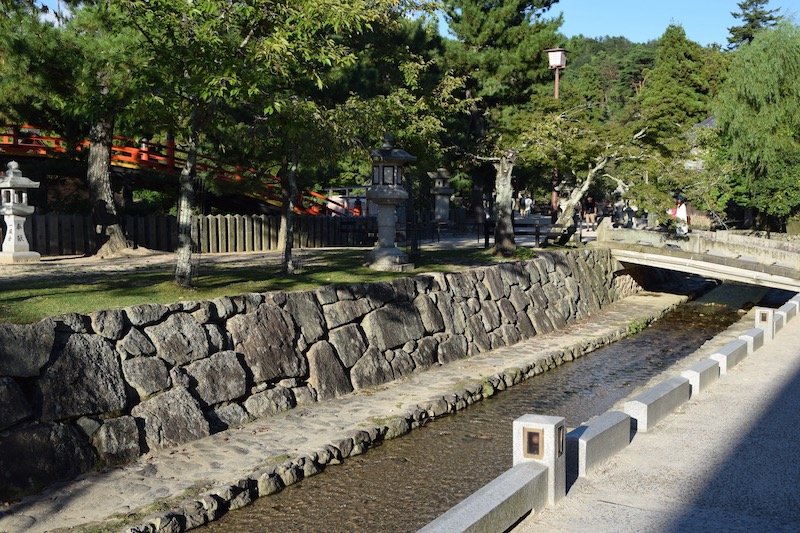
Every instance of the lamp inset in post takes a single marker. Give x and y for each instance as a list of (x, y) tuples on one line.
[(765, 319), (541, 439)]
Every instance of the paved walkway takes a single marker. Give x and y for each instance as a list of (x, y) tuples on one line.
[(728, 460), (227, 457)]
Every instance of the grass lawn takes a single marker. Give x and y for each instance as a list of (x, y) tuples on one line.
[(26, 301)]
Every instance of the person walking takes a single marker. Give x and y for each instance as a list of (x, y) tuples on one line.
[(590, 213), (681, 216)]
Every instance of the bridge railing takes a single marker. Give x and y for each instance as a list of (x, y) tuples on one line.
[(55, 234), (709, 243)]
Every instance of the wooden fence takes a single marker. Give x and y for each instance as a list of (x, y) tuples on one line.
[(58, 234)]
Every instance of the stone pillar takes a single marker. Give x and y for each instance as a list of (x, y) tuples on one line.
[(442, 191), (14, 208)]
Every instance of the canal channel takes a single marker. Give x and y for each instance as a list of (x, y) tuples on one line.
[(407, 482)]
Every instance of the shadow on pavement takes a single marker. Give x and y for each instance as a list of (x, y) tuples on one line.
[(756, 487)]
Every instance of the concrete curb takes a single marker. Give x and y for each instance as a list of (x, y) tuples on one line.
[(701, 375), (598, 439), (653, 405), (754, 338), (730, 355), (499, 504)]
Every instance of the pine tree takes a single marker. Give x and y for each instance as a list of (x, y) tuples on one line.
[(675, 94), (755, 17), (499, 47)]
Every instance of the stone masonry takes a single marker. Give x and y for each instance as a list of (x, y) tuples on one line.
[(78, 392)]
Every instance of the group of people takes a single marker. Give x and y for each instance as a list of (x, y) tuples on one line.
[(525, 205), (590, 211)]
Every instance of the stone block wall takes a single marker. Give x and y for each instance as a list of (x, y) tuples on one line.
[(77, 392)]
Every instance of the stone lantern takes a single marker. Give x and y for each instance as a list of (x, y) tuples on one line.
[(387, 192), (14, 208), (443, 191)]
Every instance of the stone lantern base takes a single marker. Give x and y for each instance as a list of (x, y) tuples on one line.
[(386, 259), (19, 257)]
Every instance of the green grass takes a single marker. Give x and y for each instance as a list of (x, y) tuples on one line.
[(30, 301)]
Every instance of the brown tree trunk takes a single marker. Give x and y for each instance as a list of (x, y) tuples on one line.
[(186, 201), (110, 237), (504, 227)]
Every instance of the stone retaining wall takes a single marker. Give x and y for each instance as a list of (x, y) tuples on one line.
[(77, 392)]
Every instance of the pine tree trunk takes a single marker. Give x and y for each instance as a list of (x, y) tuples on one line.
[(286, 234), (554, 182), (186, 201), (572, 206), (109, 234), (504, 243)]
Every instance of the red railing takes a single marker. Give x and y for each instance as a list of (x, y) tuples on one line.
[(28, 141)]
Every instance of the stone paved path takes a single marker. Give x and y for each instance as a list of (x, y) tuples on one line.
[(725, 461), (227, 457)]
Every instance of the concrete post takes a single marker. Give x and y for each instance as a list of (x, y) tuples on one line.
[(542, 439), (765, 319), (795, 300)]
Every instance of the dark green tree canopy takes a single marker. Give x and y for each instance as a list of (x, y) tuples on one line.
[(500, 44), (675, 94), (754, 16)]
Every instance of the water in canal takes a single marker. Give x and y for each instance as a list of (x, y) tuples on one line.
[(407, 482)]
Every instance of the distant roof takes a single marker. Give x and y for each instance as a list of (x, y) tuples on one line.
[(710, 122)]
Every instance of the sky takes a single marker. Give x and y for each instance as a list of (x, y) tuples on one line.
[(704, 21)]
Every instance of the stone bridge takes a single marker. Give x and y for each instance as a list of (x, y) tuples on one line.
[(721, 255)]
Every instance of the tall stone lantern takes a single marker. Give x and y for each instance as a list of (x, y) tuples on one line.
[(387, 192), (14, 208), (442, 190)]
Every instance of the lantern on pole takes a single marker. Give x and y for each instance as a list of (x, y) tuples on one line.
[(557, 60)]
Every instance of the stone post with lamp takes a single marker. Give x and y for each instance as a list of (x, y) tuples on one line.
[(14, 208), (387, 192)]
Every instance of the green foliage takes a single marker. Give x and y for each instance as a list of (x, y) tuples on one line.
[(637, 326), (758, 111), (67, 77), (606, 73), (524, 254)]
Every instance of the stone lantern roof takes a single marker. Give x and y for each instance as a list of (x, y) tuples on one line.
[(388, 154), (13, 178)]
